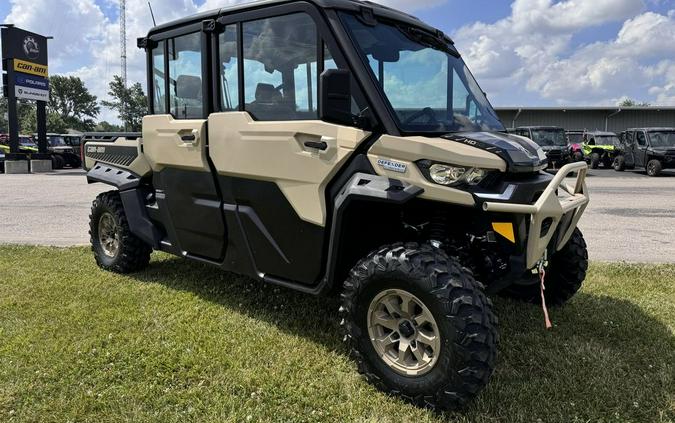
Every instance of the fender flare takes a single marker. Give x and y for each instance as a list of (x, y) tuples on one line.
[(119, 178), (361, 187)]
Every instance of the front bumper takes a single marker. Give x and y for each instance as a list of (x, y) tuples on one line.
[(554, 216)]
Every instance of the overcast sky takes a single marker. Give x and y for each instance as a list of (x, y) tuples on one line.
[(523, 53)]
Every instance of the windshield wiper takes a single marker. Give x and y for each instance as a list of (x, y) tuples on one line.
[(436, 41)]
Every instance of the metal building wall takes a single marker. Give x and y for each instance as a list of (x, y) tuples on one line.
[(589, 119)]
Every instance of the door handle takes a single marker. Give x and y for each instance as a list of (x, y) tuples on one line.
[(319, 145)]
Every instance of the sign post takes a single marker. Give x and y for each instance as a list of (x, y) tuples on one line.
[(25, 61)]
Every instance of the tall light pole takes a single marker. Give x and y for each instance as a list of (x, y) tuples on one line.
[(123, 49)]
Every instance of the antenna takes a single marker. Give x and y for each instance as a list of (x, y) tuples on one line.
[(152, 14)]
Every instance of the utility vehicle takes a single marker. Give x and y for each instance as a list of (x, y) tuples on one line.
[(304, 144), (600, 148), (63, 154), (651, 149), (575, 140), (551, 139)]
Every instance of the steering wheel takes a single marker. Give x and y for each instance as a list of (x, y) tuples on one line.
[(428, 112)]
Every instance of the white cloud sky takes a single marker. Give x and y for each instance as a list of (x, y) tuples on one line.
[(532, 56)]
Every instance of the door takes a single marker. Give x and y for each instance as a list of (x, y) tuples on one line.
[(174, 142), (629, 148), (273, 157), (640, 149)]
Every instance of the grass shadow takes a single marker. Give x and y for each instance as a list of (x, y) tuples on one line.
[(605, 359)]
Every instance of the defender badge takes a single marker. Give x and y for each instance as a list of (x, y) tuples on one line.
[(392, 165)]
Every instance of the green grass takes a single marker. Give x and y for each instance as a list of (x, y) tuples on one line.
[(185, 342)]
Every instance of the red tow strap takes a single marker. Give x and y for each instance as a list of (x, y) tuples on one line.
[(542, 276)]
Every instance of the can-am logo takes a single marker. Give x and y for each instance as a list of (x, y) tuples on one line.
[(31, 48)]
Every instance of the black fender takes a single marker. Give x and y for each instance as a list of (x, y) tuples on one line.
[(361, 187), (119, 178), (133, 199)]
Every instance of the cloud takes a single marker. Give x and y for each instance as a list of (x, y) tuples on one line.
[(531, 53)]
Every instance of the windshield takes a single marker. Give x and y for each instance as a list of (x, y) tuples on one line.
[(662, 138), (575, 138), (26, 141), (549, 137), (429, 88), (56, 141), (607, 140)]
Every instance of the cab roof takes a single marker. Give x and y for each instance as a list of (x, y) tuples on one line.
[(348, 5), (657, 129)]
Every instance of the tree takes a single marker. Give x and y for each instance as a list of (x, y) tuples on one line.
[(628, 102), (130, 103), (71, 100), (104, 126), (4, 125)]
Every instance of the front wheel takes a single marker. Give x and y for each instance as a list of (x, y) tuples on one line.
[(654, 168), (115, 248), (595, 160), (565, 274), (419, 326), (619, 163)]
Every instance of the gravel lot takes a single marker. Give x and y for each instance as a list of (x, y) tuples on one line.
[(631, 216)]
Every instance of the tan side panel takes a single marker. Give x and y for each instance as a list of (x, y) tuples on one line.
[(139, 166), (164, 147), (275, 151), (408, 150)]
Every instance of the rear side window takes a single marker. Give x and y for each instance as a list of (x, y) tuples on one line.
[(158, 79), (185, 77), (640, 137), (229, 73), (280, 68)]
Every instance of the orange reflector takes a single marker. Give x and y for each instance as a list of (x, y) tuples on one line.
[(505, 230)]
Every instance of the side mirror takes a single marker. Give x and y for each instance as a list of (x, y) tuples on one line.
[(336, 97)]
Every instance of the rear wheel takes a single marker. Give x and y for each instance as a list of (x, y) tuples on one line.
[(595, 160), (619, 163), (654, 168), (419, 326), (565, 274), (58, 162), (115, 248)]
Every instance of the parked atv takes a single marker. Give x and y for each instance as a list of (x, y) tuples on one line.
[(62, 154), (651, 149), (575, 140), (275, 149), (551, 139), (600, 148)]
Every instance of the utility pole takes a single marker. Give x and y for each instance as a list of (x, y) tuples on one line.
[(123, 49)]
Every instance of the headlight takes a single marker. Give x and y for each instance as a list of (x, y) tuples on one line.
[(449, 175)]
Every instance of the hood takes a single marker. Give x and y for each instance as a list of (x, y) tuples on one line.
[(520, 154), (664, 150)]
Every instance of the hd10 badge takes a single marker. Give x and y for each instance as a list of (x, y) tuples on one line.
[(30, 87)]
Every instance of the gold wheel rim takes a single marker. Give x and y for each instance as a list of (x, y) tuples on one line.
[(403, 332), (108, 235)]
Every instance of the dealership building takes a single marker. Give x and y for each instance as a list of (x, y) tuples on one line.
[(614, 119)]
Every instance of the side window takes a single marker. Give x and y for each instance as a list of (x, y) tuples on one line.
[(185, 77), (640, 137), (158, 79), (628, 139), (280, 76), (229, 73)]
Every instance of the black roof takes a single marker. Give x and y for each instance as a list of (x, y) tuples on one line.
[(350, 5)]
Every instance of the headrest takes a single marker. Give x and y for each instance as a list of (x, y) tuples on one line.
[(189, 87), (266, 93)]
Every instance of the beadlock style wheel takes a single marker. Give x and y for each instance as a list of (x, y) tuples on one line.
[(108, 235), (403, 332)]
